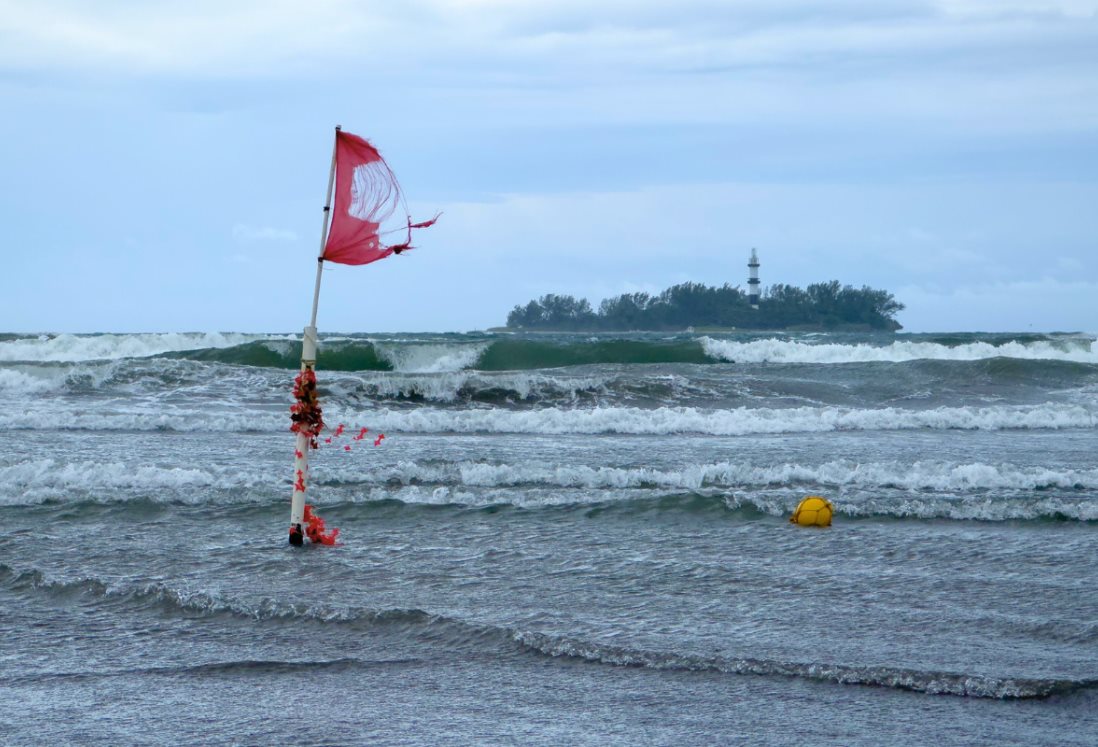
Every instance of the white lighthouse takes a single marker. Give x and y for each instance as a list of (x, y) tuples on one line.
[(753, 280)]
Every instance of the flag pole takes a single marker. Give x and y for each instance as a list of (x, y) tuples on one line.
[(308, 363)]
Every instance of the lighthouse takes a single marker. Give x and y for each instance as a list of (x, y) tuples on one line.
[(753, 280)]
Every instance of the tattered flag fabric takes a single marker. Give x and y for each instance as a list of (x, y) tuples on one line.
[(366, 196)]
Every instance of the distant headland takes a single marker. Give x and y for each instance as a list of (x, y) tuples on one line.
[(820, 306)]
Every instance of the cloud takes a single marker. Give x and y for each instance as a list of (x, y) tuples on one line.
[(204, 37), (257, 38), (575, 147), (909, 68), (951, 64)]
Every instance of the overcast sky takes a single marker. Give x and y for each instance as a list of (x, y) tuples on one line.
[(164, 163)]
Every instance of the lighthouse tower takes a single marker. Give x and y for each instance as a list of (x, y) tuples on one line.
[(753, 280)]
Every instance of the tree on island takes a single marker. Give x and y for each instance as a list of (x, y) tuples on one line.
[(819, 306)]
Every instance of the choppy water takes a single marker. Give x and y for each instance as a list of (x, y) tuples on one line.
[(562, 540)]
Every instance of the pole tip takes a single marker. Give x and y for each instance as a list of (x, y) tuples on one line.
[(339, 127)]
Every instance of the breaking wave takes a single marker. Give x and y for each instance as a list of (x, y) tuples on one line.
[(442, 353), (732, 422), (430, 358), (746, 504), (439, 356), (561, 421), (19, 381), (1078, 350), (72, 348), (923, 490), (49, 478), (935, 476), (435, 384)]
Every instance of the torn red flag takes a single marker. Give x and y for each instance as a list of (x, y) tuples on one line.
[(366, 195)]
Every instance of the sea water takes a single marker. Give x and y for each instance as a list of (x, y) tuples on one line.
[(563, 539)]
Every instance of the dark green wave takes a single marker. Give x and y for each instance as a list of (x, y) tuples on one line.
[(357, 356), (511, 355), (501, 355), (527, 354), (1037, 372), (995, 339)]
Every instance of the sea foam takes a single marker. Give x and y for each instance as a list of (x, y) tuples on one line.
[(560, 421), (430, 358), (922, 475), (732, 422), (71, 348), (791, 351)]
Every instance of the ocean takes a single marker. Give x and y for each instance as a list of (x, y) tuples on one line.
[(562, 540)]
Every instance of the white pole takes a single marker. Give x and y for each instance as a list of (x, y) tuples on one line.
[(308, 361)]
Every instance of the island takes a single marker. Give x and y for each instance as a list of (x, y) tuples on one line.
[(821, 306)]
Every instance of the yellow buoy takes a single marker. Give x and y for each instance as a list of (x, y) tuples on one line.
[(813, 511)]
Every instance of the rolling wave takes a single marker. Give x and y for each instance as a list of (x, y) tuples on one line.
[(335, 356), (91, 475), (1077, 350), (923, 383), (525, 354), (228, 381), (162, 597), (430, 358), (893, 490), (438, 629), (441, 356), (913, 680), (938, 476), (504, 388), (659, 421), (732, 422), (441, 353), (72, 348)]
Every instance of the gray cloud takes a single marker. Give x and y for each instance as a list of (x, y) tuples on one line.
[(942, 148)]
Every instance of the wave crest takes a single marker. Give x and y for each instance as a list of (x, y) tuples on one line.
[(72, 348), (773, 350), (933, 683)]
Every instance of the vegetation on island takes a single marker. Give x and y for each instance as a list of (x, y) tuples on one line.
[(819, 306)]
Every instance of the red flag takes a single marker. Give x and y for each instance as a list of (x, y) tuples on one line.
[(366, 195)]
